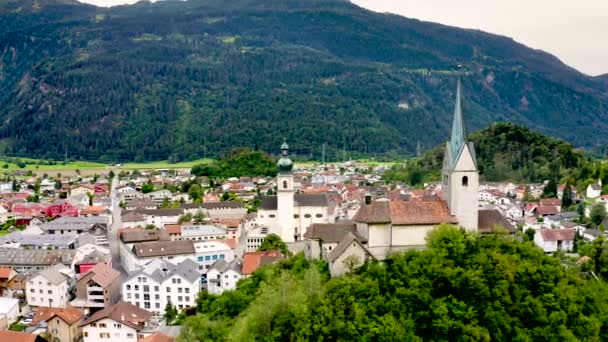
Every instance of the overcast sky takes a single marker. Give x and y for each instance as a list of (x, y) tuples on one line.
[(574, 31)]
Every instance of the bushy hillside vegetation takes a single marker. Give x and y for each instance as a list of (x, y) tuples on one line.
[(463, 287), (506, 151)]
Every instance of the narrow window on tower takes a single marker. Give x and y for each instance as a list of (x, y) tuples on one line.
[(284, 184), (465, 181)]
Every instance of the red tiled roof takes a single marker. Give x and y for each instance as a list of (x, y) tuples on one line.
[(254, 260), (557, 234), (406, 213), (17, 336), (547, 202), (43, 314), (174, 228), (547, 211), (70, 315), (157, 337), (5, 272), (230, 242)]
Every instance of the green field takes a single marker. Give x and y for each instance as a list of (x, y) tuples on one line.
[(36, 165), (163, 165)]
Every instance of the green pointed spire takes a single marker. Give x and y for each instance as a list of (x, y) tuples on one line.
[(459, 132)]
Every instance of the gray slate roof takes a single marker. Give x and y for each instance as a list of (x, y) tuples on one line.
[(223, 266), (38, 257), (331, 232), (300, 200), (53, 274), (82, 223), (160, 270)]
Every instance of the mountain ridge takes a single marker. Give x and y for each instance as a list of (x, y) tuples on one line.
[(217, 76)]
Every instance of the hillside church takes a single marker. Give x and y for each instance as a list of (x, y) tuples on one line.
[(381, 226)]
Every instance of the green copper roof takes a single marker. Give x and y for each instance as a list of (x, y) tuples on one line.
[(459, 132), (285, 164)]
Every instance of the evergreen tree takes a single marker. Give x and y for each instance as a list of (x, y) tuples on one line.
[(550, 190), (597, 214), (567, 197), (170, 313)]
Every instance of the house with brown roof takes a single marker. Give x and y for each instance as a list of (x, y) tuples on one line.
[(322, 238), (64, 325), (400, 225), (349, 254), (6, 275), (18, 336), (119, 322), (252, 261), (97, 288), (553, 240)]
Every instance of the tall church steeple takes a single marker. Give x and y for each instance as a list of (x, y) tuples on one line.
[(460, 175), (285, 197)]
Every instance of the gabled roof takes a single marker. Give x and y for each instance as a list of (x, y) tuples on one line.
[(223, 266), (157, 337), (557, 234), (343, 245), (254, 260), (406, 213), (213, 205), (331, 232), (103, 274), (53, 274), (163, 248), (545, 202), (5, 272), (124, 313), (70, 315), (18, 336), (300, 200)]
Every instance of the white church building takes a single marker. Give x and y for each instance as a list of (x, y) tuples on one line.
[(289, 214), (400, 225)]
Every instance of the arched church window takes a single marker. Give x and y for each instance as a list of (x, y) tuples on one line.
[(307, 216), (284, 184), (465, 181)]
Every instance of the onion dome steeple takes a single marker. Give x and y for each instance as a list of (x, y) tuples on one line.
[(285, 164)]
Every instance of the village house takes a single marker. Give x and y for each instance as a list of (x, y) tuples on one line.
[(160, 282), (594, 190), (223, 276), (553, 240), (252, 261), (49, 287), (9, 312), (119, 322), (141, 253), (64, 324), (348, 254), (97, 288)]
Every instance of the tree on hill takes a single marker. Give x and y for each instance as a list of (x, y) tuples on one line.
[(597, 213), (550, 190), (239, 162), (272, 242), (147, 188), (567, 197), (462, 287)]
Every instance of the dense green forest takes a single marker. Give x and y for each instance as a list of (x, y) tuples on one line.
[(238, 163), (462, 288), (189, 79), (507, 151)]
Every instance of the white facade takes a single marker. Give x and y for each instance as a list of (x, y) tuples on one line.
[(285, 207), (224, 277), (552, 245), (208, 252), (156, 285), (106, 330), (42, 291), (594, 190), (159, 196), (9, 309)]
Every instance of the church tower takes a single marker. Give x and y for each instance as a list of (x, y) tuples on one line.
[(460, 175), (285, 195)]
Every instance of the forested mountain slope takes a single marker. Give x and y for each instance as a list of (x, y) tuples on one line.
[(181, 80)]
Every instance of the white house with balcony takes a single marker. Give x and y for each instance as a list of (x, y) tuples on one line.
[(161, 282)]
